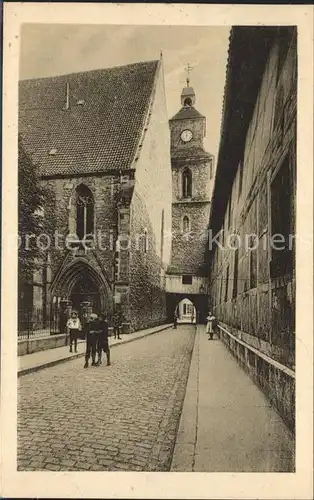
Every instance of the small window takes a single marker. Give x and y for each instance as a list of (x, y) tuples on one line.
[(186, 224), (187, 102), (187, 280)]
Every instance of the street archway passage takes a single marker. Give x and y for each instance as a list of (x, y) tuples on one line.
[(186, 312), (176, 301)]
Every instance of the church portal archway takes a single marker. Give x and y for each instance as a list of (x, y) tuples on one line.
[(79, 286)]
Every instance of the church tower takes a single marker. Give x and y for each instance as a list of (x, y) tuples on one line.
[(192, 179)]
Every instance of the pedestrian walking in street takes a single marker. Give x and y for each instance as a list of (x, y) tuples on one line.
[(175, 320), (92, 334), (74, 328), (211, 324), (102, 341), (116, 325)]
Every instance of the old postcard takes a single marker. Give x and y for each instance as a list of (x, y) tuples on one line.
[(157, 334)]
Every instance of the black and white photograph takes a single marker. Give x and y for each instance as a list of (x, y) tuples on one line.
[(157, 213)]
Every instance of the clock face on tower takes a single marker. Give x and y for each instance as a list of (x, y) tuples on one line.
[(186, 135)]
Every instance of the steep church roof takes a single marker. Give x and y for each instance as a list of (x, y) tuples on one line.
[(186, 113), (86, 122)]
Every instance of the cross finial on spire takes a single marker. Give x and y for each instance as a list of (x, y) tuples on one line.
[(188, 69)]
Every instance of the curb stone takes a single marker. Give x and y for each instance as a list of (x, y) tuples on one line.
[(49, 364)]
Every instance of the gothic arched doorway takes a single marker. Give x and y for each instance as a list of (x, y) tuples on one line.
[(78, 286)]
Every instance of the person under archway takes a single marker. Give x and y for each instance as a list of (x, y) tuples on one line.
[(175, 320)]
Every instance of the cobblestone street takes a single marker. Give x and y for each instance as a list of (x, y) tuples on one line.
[(122, 417)]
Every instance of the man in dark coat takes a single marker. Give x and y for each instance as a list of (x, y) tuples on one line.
[(102, 341), (92, 334), (116, 324)]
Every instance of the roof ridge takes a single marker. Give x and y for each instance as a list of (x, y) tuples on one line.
[(108, 68), (147, 114)]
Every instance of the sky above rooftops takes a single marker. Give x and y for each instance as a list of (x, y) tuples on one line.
[(51, 49)]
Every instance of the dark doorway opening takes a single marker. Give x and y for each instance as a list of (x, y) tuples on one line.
[(85, 290)]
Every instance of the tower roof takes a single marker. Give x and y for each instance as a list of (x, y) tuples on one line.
[(186, 91), (86, 122), (186, 113)]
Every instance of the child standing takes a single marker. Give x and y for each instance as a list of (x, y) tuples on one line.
[(74, 328)]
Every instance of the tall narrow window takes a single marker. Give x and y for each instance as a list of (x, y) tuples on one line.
[(187, 183), (227, 284), (221, 288), (186, 224), (84, 211), (253, 261), (235, 274)]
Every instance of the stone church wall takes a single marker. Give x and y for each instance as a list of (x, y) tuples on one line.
[(151, 203), (104, 190)]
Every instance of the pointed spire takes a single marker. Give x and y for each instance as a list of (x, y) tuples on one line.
[(161, 54), (188, 70)]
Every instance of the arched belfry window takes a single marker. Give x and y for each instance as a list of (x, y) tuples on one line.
[(186, 224), (187, 183), (84, 211), (187, 102)]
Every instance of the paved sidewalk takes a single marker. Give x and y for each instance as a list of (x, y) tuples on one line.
[(227, 424), (50, 357)]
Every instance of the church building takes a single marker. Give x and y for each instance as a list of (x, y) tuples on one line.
[(100, 140), (192, 184)]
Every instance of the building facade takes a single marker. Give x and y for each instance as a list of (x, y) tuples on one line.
[(252, 267), (101, 142), (192, 178)]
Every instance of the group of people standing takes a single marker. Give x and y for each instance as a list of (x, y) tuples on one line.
[(96, 332)]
